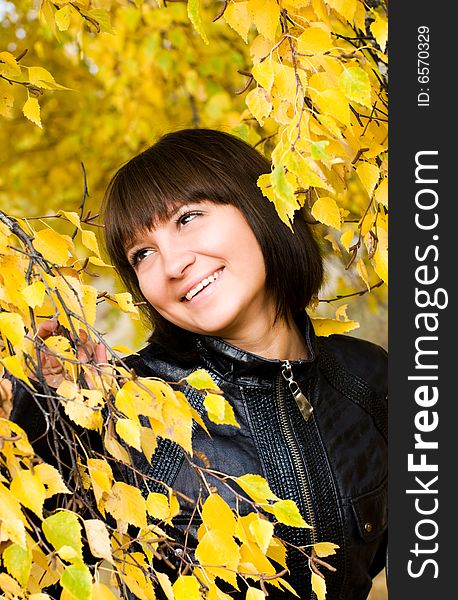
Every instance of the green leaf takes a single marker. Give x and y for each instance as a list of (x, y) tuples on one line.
[(77, 580), (18, 563), (286, 512), (286, 202), (196, 18), (355, 84), (201, 380), (64, 529), (318, 150)]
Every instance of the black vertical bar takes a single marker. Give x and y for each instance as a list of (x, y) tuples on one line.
[(422, 326)]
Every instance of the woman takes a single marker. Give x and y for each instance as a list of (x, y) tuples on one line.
[(224, 285)]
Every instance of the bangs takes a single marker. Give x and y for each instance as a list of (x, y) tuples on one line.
[(150, 188)]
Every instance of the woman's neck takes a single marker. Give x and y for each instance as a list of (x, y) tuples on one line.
[(280, 341)]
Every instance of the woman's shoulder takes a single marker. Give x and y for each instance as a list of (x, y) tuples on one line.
[(153, 360), (361, 358)]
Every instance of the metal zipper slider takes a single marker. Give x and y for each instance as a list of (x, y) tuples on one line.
[(302, 402)]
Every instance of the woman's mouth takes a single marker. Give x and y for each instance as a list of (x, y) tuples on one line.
[(201, 285)]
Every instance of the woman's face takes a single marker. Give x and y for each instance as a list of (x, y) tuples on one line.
[(204, 271)]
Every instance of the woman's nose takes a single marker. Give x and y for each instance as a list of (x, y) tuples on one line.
[(176, 261)]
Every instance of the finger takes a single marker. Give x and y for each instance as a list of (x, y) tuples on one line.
[(47, 328), (100, 353)]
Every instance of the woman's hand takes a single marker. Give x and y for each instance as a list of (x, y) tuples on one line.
[(52, 367)]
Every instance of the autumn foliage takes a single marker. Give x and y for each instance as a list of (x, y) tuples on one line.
[(93, 82)]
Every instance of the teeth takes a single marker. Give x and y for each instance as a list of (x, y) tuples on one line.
[(200, 286)]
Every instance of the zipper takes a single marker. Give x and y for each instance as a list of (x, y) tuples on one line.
[(306, 410), (302, 402)]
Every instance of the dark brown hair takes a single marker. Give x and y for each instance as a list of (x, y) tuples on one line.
[(202, 164)]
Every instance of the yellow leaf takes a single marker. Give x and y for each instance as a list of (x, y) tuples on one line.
[(369, 175), (323, 549), (381, 253), (346, 8), (259, 104), (254, 594), (12, 529), (31, 110), (43, 79), (237, 16), (100, 591), (14, 366), (201, 380), (123, 349), (51, 479), (101, 478), (262, 531), (11, 508), (319, 586), (286, 512), (86, 413), (129, 431), (10, 586), (29, 490), (285, 79), (325, 327), (63, 17), (217, 543), (362, 272), (196, 18), (114, 448), (133, 573), (219, 410), (124, 301), (266, 16), (313, 41), (253, 561), (52, 245), (126, 504), (98, 539), (12, 328), (11, 63), (166, 584), (68, 389), (216, 514), (379, 29), (347, 237), (157, 506), (263, 72), (381, 193), (277, 552), (34, 294), (148, 442), (6, 102), (341, 312), (326, 211), (186, 587), (90, 241), (73, 217), (256, 487), (332, 102)]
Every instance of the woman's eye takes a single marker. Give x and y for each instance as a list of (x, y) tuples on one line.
[(187, 217), (139, 255)]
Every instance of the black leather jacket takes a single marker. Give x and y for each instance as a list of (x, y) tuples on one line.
[(334, 465)]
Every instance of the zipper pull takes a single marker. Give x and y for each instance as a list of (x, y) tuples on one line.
[(302, 402)]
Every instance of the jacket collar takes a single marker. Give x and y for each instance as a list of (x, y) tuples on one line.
[(237, 364)]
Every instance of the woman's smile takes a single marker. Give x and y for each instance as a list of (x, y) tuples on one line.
[(202, 284)]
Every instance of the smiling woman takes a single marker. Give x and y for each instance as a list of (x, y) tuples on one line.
[(225, 284)]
